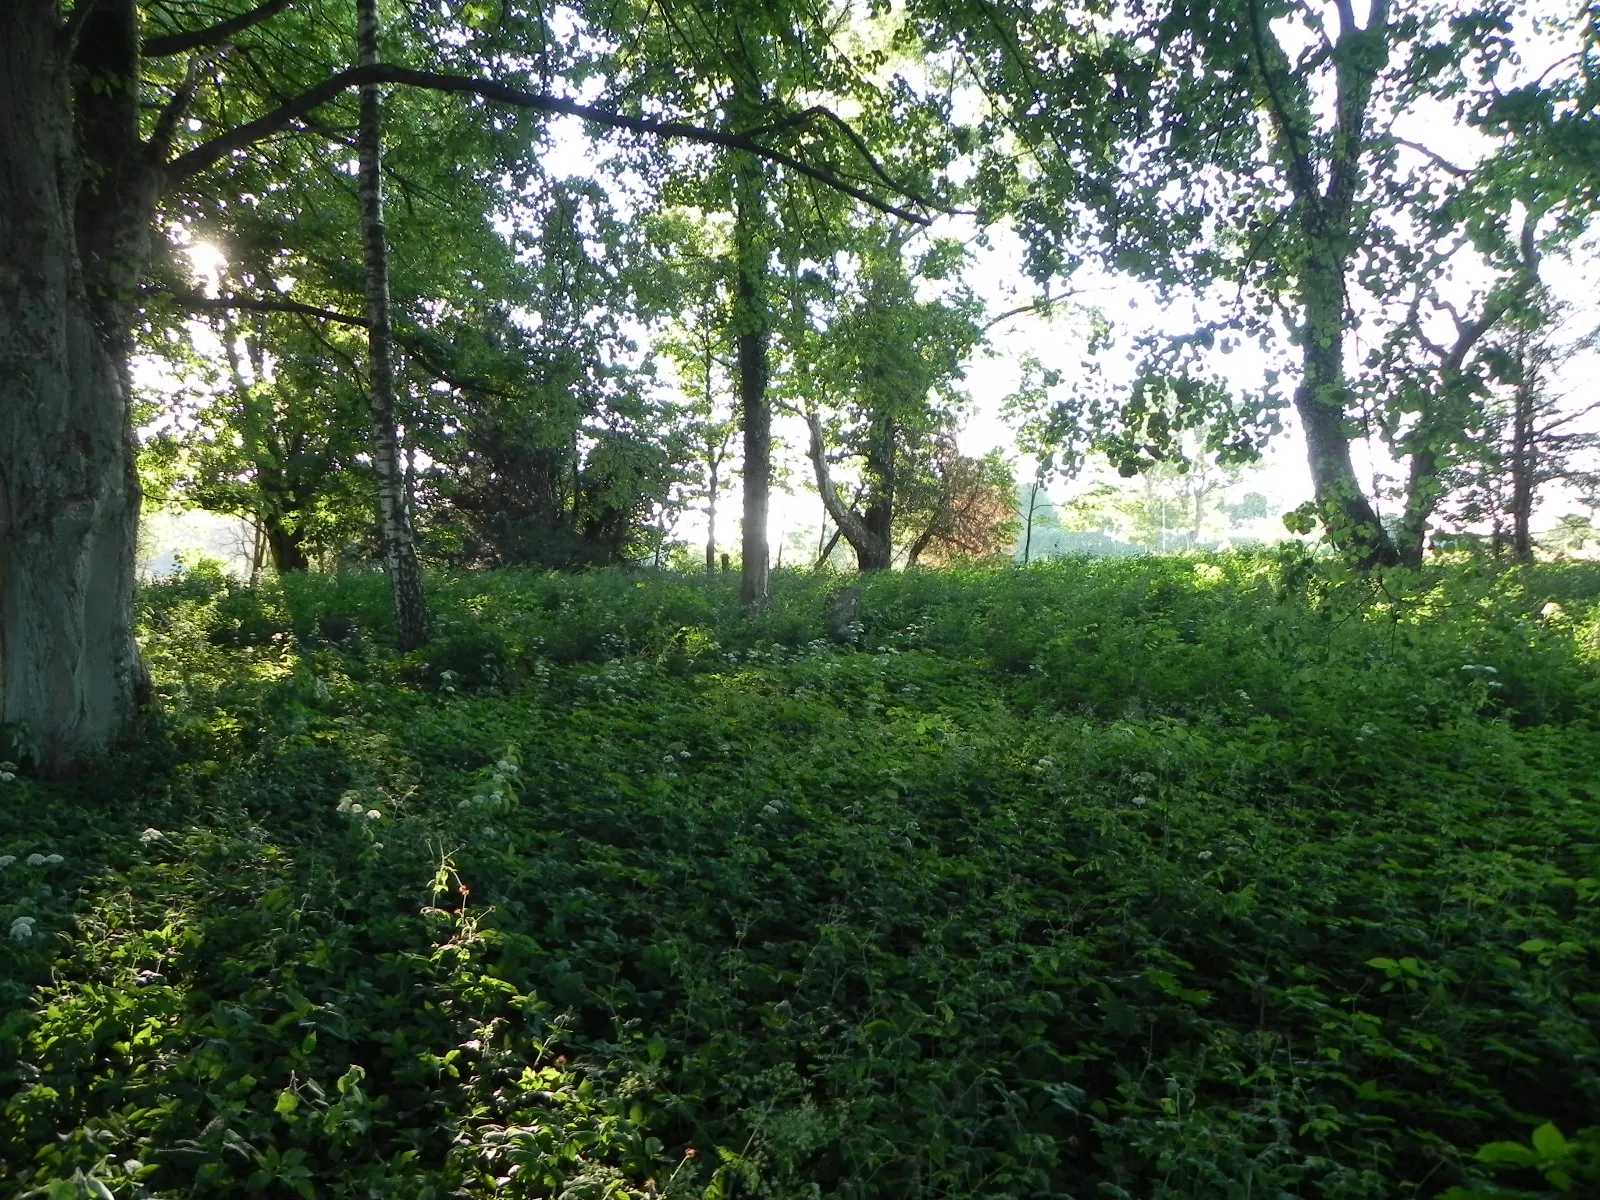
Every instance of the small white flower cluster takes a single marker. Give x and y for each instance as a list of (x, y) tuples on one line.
[(22, 928), (44, 860), (152, 835), (1366, 731), (500, 793), (8, 772), (353, 804)]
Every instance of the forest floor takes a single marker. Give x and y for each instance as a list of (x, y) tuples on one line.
[(1229, 877)]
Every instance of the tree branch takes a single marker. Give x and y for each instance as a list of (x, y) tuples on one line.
[(201, 39), (1437, 158), (413, 340), (262, 304), (208, 153)]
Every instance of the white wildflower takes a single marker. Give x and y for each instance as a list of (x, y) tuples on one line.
[(506, 767), (1045, 764), (152, 835), (53, 859), (373, 814), (7, 776), (7, 859), (1552, 611), (36, 860), (1139, 801), (1476, 669), (1205, 856), (1366, 731), (22, 929)]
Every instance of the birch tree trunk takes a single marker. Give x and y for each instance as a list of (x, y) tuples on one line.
[(75, 207), (411, 618)]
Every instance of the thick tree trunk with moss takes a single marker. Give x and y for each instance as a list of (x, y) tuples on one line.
[(75, 206), (755, 406), (411, 618), (1347, 515)]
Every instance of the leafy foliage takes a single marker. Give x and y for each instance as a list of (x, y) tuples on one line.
[(1202, 877)]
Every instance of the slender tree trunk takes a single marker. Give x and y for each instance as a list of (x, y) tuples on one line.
[(412, 619), (74, 218), (751, 325), (825, 550), (711, 520), (1524, 464), (1027, 538)]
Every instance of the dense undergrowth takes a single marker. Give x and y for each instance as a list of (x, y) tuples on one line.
[(1230, 878)]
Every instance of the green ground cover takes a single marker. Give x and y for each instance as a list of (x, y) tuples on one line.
[(1232, 878)]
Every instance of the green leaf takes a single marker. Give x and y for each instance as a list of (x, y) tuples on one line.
[(1548, 1141)]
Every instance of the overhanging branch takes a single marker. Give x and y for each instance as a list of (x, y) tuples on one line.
[(208, 153), (214, 35)]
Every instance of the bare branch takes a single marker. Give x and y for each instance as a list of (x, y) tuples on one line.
[(1043, 304), (292, 110), (202, 39), (1438, 159)]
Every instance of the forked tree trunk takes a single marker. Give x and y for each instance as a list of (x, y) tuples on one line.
[(750, 319), (1351, 522), (411, 618), (71, 247), (874, 550)]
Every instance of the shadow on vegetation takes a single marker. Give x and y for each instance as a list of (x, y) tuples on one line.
[(1185, 877)]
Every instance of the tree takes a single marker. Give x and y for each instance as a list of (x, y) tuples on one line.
[(695, 342), (1263, 144), (887, 362), (1530, 436), (99, 119), (968, 512)]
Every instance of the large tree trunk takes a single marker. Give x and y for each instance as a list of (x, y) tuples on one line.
[(286, 545), (1348, 516), (750, 319), (876, 552), (412, 620), (72, 244)]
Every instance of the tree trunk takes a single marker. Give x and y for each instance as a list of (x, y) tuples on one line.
[(1348, 516), (287, 545), (412, 620), (1027, 539), (876, 552), (711, 521), (1524, 462), (72, 237), (873, 553), (750, 320)]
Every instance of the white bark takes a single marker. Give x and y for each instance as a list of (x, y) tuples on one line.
[(412, 620)]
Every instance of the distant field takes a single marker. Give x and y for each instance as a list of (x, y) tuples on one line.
[(1227, 877)]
